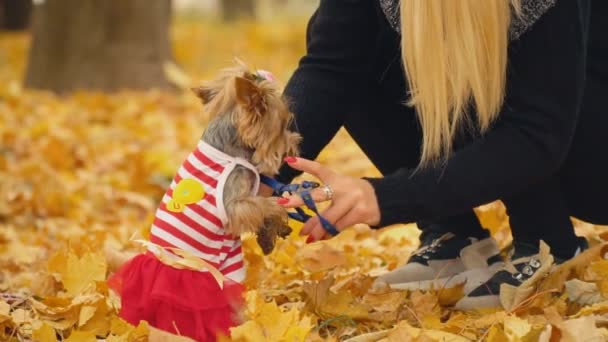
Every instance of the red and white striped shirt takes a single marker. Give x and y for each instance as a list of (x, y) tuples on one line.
[(199, 228)]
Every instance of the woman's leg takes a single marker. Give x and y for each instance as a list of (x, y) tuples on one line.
[(584, 177), (538, 213), (541, 213), (390, 136)]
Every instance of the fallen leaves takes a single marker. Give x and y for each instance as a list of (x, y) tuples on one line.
[(327, 304), (78, 273), (269, 322), (582, 292), (320, 257)]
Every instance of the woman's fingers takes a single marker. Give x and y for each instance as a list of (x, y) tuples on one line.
[(309, 225), (332, 214), (295, 200), (318, 233), (309, 166)]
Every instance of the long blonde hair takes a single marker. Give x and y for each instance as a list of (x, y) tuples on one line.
[(455, 55)]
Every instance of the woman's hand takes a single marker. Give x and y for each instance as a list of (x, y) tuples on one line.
[(354, 200)]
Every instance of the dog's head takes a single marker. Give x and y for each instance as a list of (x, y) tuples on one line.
[(257, 111)]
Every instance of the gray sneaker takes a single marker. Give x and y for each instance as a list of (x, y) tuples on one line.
[(526, 266), (444, 262)]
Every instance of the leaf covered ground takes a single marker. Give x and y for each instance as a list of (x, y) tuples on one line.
[(81, 174)]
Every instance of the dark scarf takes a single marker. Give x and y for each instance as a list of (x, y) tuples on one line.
[(531, 11)]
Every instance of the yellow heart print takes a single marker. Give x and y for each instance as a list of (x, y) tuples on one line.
[(187, 191)]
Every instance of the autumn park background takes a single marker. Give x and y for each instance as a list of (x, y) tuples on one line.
[(95, 117)]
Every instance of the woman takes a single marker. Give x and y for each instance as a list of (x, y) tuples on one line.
[(503, 102)]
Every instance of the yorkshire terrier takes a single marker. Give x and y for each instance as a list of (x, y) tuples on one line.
[(190, 277), (250, 121)]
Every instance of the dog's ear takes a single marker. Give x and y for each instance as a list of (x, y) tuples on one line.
[(249, 96), (204, 93)]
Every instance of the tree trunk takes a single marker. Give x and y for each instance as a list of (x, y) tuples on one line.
[(15, 14), (235, 9), (99, 45)]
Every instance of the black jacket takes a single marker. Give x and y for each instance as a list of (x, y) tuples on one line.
[(352, 51)]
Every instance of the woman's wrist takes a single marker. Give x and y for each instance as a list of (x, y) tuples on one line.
[(392, 203)]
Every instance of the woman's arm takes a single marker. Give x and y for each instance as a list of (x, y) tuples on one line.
[(527, 145), (529, 142), (333, 74)]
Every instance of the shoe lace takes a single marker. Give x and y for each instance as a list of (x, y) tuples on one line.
[(425, 251), (530, 267)]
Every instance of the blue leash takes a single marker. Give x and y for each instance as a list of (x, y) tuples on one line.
[(303, 190)]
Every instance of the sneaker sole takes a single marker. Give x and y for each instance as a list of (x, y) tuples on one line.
[(471, 278)]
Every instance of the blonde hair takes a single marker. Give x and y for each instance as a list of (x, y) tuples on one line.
[(455, 55)]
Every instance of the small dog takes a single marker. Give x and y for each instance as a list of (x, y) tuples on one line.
[(251, 121), (189, 280)]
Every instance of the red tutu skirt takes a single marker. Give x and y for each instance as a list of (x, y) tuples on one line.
[(179, 301)]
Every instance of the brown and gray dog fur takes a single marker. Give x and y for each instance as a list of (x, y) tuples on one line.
[(250, 120)]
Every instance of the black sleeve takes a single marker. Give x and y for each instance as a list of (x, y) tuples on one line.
[(332, 74), (529, 142)]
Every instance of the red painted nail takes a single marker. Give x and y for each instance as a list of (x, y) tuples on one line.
[(310, 239), (290, 160), (282, 200)]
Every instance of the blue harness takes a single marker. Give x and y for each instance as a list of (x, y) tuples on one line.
[(303, 190)]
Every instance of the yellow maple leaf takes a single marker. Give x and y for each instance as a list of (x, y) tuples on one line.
[(271, 323), (496, 334), (81, 336), (405, 332), (299, 332), (119, 327), (600, 268), (516, 328), (250, 331), (44, 333), (5, 310), (80, 273), (142, 329), (328, 304), (86, 312), (99, 320), (449, 296), (425, 304), (319, 256)]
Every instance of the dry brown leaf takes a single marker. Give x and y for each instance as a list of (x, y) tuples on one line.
[(582, 329), (511, 296), (319, 257), (405, 332), (583, 293), (575, 267), (425, 304), (450, 296), (328, 304)]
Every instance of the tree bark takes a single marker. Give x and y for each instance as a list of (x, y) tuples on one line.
[(99, 45), (15, 14), (235, 9)]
